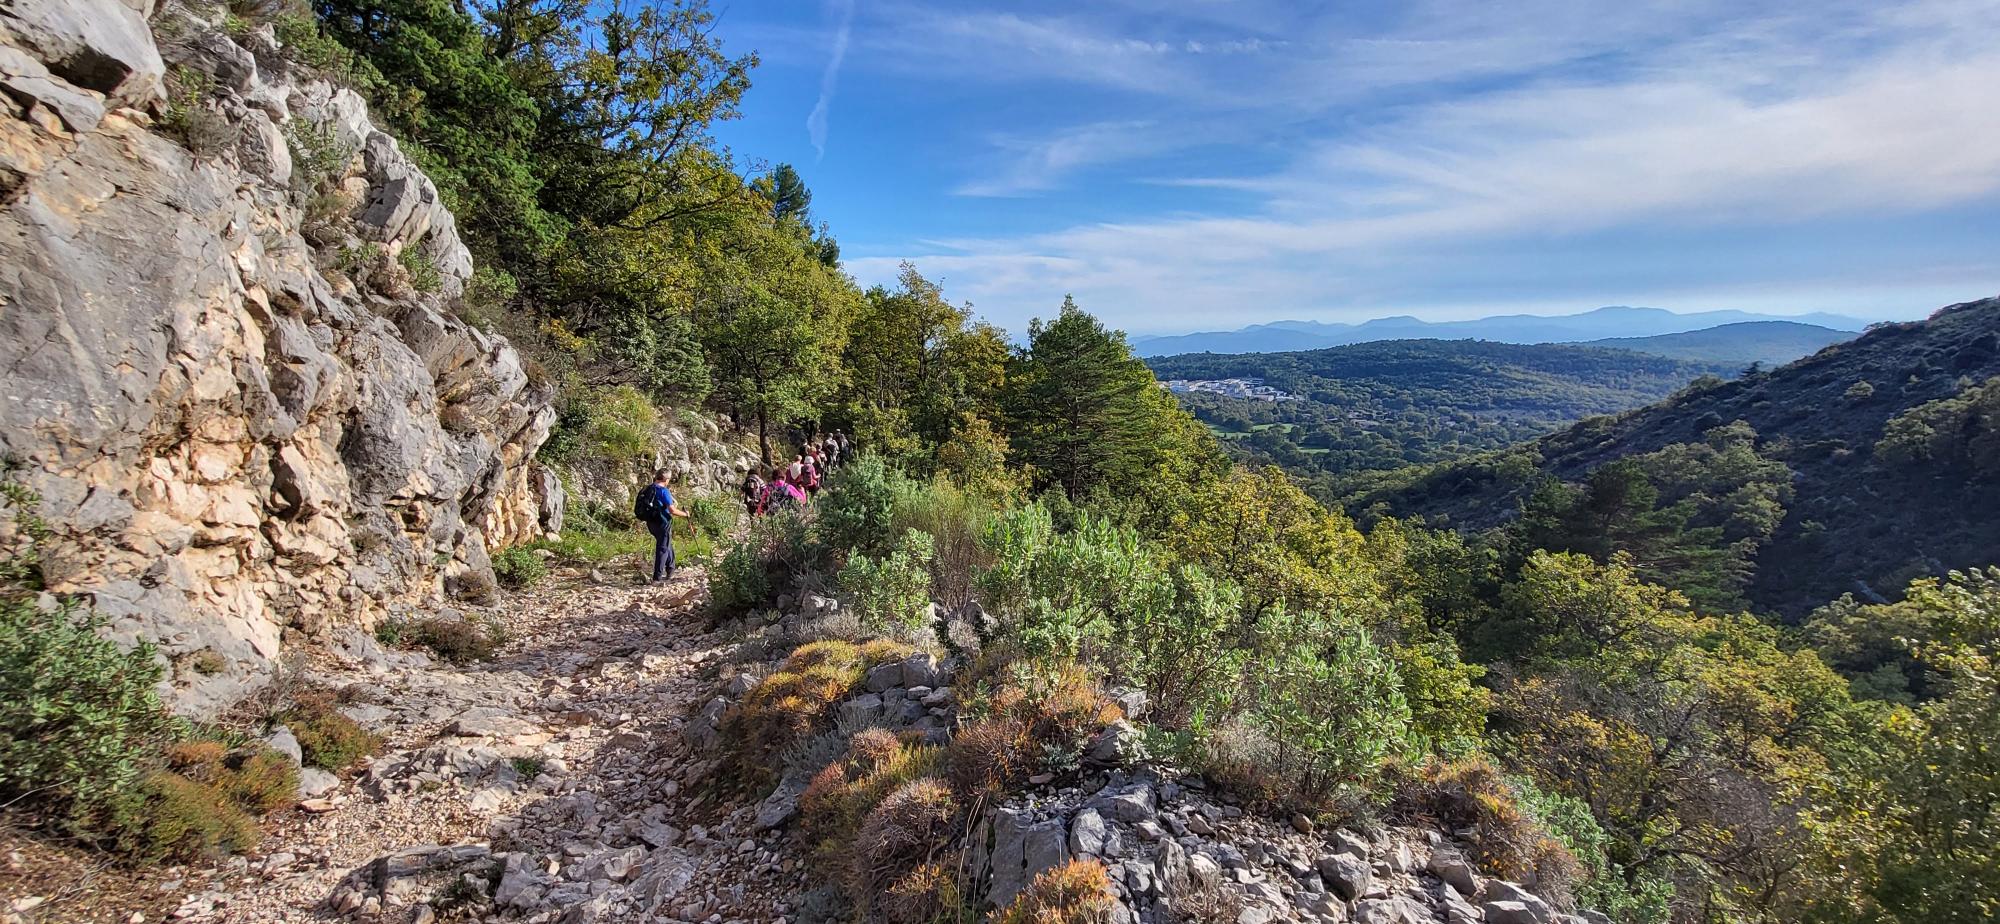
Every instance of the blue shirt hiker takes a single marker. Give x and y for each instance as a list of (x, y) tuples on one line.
[(655, 507)]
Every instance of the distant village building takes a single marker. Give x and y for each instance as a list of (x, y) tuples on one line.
[(1253, 389)]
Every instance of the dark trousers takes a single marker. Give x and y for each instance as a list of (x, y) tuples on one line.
[(663, 550)]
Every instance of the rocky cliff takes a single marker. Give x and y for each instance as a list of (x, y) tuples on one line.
[(233, 379)]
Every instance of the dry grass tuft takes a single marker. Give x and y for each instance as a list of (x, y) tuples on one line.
[(1472, 795), (1077, 892)]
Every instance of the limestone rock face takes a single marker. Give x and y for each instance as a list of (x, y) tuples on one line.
[(235, 440)]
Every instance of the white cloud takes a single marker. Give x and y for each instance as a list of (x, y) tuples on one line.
[(1036, 165)]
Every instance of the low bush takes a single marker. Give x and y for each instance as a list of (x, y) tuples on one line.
[(897, 836), (928, 894), (177, 818), (457, 639), (770, 558), (199, 127), (80, 724), (1037, 718), (200, 800), (893, 592), (519, 567), (795, 700), (1472, 797), (714, 516), (328, 739), (423, 271), (1077, 892), (842, 798), (257, 778)]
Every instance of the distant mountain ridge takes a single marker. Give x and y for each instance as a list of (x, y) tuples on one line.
[(1773, 343), (1597, 324)]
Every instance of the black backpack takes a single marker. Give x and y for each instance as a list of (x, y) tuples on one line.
[(646, 509)]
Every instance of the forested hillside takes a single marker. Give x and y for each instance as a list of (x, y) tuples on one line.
[(1375, 406), (1879, 452), (1768, 343)]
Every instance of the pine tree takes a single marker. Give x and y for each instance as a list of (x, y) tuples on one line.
[(1081, 406)]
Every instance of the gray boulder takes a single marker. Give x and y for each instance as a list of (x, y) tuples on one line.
[(314, 782), (1120, 744), (284, 742), (1451, 866), (883, 677), (920, 670), (1088, 834), (1346, 874), (1023, 846)]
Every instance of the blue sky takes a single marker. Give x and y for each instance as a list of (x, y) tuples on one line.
[(1202, 164)]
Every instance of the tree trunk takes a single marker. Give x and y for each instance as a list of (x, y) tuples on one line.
[(763, 433)]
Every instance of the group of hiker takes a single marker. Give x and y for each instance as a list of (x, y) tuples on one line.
[(792, 485), (784, 486)]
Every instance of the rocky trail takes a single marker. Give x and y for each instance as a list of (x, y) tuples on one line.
[(560, 761), (573, 778)]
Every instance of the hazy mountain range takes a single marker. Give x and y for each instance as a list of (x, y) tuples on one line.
[(1594, 325)]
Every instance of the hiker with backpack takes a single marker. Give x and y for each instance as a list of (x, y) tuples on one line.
[(655, 508), (753, 487), (779, 495), (809, 477)]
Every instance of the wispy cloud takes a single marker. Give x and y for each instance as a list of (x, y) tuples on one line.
[(1037, 165), (816, 121)]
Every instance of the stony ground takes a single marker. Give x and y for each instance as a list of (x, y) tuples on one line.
[(563, 753)]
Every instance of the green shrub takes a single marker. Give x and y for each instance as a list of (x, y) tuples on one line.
[(1605, 885), (177, 818), (456, 639), (1066, 594), (894, 591), (1182, 646), (189, 119), (855, 512), (519, 567), (1325, 709), (319, 158), (714, 516), (304, 42), (328, 739), (79, 718), (770, 558), (424, 273), (955, 519), (621, 424)]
